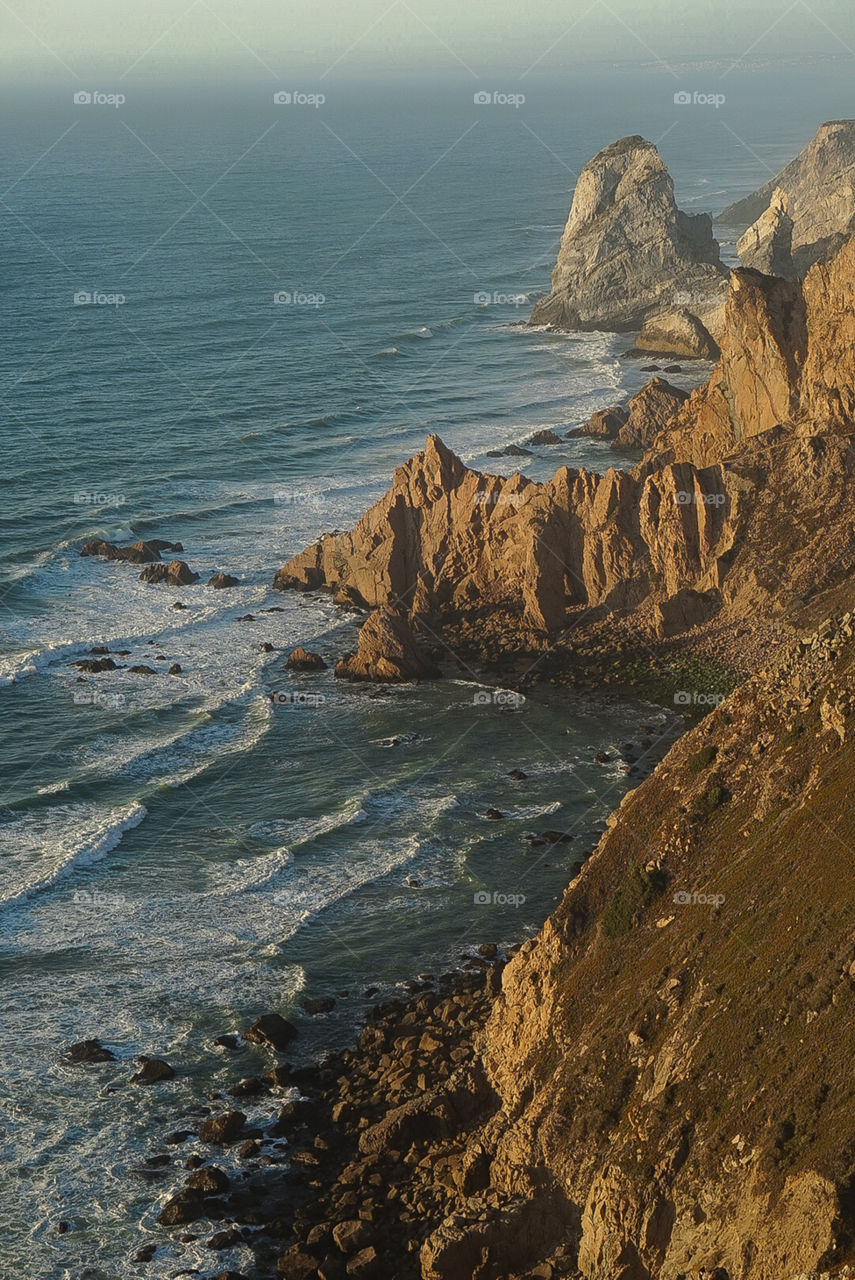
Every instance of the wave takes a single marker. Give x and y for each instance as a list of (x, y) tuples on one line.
[(294, 832), (68, 837), (388, 353), (423, 333)]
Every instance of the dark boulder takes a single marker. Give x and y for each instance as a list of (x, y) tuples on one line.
[(271, 1030), (89, 1051), (92, 666), (152, 1071), (320, 1004), (222, 1130)]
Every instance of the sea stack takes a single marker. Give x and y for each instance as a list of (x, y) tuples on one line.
[(628, 251)]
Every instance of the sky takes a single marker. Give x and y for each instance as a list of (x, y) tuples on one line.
[(166, 38)]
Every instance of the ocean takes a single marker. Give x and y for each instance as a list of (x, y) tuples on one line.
[(225, 321)]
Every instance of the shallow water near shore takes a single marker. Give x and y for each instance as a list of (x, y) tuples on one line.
[(179, 852)]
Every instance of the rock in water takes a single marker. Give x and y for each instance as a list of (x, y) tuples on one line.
[(272, 1030), (176, 574), (767, 246), (304, 660), (152, 1071), (605, 423), (89, 1051), (627, 249), (820, 185), (387, 651), (222, 580), (677, 333)]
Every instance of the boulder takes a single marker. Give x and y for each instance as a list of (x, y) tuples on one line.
[(297, 1264), (209, 1181), (676, 332), (319, 1004), (271, 1030), (546, 436), (652, 410), (304, 660), (605, 423), (185, 1206), (627, 249), (222, 1130), (767, 245), (387, 651), (152, 1071), (89, 1051), (92, 666), (176, 574), (222, 580)]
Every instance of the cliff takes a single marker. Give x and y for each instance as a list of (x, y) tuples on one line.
[(627, 250), (734, 506), (820, 186)]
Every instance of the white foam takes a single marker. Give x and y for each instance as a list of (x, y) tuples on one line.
[(44, 845), (294, 832)]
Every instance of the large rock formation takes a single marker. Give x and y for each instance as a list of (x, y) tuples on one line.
[(820, 185), (767, 245), (446, 538), (627, 249), (756, 383), (708, 519)]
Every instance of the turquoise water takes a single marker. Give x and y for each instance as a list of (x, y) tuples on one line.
[(179, 852)]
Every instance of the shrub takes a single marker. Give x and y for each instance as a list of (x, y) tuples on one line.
[(640, 887), (702, 759), (711, 800)]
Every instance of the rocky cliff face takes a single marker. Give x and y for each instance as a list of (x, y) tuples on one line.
[(767, 245), (729, 506), (627, 249), (667, 1052), (820, 185)]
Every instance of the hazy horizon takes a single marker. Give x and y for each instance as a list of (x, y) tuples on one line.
[(170, 38)]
